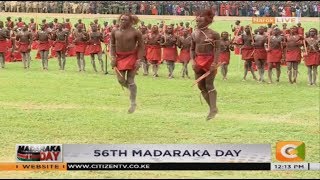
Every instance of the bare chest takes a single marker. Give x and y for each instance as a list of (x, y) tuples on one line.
[(275, 40), (203, 36), (259, 37), (186, 40), (61, 34), (95, 35), (293, 38), (247, 38), (125, 36)]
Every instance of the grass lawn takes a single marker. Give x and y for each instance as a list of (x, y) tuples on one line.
[(90, 108)]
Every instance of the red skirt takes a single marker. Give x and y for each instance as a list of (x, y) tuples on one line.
[(247, 54), (17, 56), (108, 47), (236, 50), (224, 57), (60, 46), (23, 47), (71, 51), (34, 45), (3, 46), (312, 59), (184, 55), (87, 51), (44, 46), (9, 56), (293, 55), (38, 55), (53, 53), (153, 53), (203, 61), (80, 47), (94, 49), (9, 44), (106, 40), (126, 60), (274, 55), (254, 66), (260, 53), (170, 53)]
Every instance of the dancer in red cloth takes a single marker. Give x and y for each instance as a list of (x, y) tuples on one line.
[(32, 25), (205, 49), (293, 54), (20, 23), (285, 30), (106, 40), (80, 40), (24, 40), (4, 36), (260, 53), (94, 46), (9, 24), (127, 50), (275, 52), (153, 48), (43, 37), (247, 51), (71, 50), (68, 24), (144, 63), (60, 38), (224, 57), (188, 28), (184, 43), (52, 29), (237, 30), (300, 29), (312, 57), (169, 54)]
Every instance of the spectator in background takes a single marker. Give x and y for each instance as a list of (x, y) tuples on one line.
[(142, 8), (267, 11), (315, 9), (281, 10), (223, 8), (298, 11), (305, 10), (287, 10), (293, 11), (227, 9), (261, 11)]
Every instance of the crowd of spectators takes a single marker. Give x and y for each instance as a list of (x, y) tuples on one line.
[(223, 8)]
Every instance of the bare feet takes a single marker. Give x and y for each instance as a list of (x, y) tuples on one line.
[(132, 108), (212, 114)]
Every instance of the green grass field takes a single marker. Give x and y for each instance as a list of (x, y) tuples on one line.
[(91, 108)]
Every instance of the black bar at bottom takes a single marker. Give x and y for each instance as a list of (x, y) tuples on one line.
[(169, 166)]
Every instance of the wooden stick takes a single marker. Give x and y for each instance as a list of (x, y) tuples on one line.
[(237, 33), (204, 75), (269, 37), (201, 78), (305, 47), (106, 53), (251, 34), (252, 40), (117, 71)]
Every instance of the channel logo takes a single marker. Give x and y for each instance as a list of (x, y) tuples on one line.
[(290, 151), (274, 20), (39, 152)]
